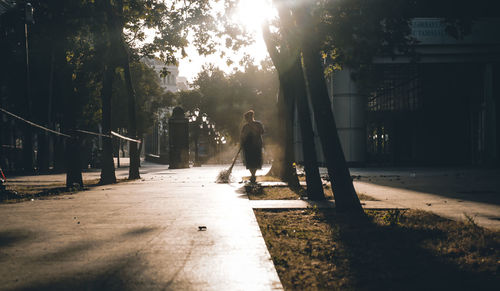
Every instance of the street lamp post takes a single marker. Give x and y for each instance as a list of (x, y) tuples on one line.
[(202, 127), (211, 135)]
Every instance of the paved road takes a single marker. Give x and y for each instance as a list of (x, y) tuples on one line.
[(141, 235)]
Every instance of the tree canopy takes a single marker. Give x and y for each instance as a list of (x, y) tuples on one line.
[(226, 97)]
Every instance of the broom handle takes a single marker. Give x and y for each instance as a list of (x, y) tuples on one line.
[(235, 157)]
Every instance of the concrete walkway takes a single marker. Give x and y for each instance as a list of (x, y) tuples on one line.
[(484, 214), (175, 230), (449, 192)]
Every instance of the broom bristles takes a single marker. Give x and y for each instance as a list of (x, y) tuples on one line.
[(224, 176)]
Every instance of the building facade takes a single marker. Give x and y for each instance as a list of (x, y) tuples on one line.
[(168, 73), (442, 109)]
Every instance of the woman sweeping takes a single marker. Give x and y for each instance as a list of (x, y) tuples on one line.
[(251, 144)]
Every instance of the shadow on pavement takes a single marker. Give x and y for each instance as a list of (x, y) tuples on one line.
[(139, 231), (14, 236), (73, 251), (113, 276), (122, 272)]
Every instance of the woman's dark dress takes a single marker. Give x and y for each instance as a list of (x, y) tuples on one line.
[(251, 143)]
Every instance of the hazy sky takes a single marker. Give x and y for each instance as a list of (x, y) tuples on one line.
[(251, 14)]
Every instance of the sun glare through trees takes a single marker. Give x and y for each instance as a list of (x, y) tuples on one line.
[(249, 15), (253, 13)]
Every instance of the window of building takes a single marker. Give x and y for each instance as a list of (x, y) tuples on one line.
[(399, 89)]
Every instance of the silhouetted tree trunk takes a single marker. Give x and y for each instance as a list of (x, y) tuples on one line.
[(132, 129), (72, 149), (291, 79), (116, 24), (294, 81), (73, 162), (342, 186), (107, 163), (282, 166)]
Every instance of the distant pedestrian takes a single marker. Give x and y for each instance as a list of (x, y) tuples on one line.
[(251, 144)]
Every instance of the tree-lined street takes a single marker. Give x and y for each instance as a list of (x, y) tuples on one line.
[(377, 121)]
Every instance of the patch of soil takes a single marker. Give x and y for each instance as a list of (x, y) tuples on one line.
[(286, 193), (322, 250), (262, 179), (273, 193), (23, 192)]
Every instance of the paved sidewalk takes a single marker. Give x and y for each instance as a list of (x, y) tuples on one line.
[(141, 235), (448, 192), (484, 214)]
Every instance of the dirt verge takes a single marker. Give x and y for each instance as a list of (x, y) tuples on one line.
[(412, 250)]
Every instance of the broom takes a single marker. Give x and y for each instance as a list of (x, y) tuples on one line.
[(224, 176)]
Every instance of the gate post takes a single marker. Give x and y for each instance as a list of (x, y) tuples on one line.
[(178, 139)]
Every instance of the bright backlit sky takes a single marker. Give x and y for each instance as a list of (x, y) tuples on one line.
[(250, 14)]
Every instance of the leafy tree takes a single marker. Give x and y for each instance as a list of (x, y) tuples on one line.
[(149, 92), (225, 98), (126, 24), (89, 40), (62, 72), (190, 99)]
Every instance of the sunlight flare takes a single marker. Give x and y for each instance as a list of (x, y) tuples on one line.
[(251, 14)]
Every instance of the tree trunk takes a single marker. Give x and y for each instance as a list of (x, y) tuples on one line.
[(286, 111), (134, 152), (282, 166), (107, 163), (73, 162), (294, 84), (72, 150), (340, 177), (291, 77), (115, 28)]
